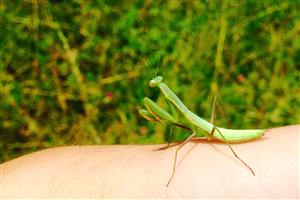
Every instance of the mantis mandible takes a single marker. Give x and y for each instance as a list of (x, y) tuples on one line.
[(198, 127)]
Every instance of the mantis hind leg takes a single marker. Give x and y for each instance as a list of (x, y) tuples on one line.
[(213, 112), (231, 149), (176, 153), (212, 119), (216, 102)]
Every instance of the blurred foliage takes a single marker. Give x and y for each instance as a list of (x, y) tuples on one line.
[(75, 72)]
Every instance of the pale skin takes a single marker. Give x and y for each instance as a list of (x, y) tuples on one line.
[(204, 170), (199, 127)]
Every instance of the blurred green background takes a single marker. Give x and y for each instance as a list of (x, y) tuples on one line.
[(76, 72)]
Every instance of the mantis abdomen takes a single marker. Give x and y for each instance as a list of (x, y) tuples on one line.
[(237, 135), (230, 135)]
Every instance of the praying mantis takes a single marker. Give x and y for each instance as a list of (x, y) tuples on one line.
[(198, 126)]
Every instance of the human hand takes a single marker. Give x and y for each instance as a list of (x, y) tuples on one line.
[(204, 170)]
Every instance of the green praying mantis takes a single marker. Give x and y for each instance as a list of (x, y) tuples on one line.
[(198, 127)]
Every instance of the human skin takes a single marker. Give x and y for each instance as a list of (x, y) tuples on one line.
[(204, 170)]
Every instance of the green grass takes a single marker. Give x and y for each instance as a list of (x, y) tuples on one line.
[(76, 72)]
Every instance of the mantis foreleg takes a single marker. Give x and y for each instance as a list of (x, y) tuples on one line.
[(155, 113)]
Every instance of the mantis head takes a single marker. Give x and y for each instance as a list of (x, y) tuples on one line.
[(155, 81)]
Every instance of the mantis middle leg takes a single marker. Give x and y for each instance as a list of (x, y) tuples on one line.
[(176, 153)]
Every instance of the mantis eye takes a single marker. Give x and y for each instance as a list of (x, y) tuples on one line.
[(155, 81)]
